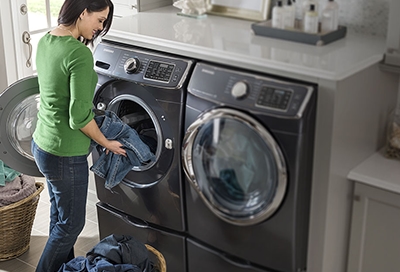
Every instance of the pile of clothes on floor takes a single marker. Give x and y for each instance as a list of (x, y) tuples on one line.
[(115, 253), (14, 186)]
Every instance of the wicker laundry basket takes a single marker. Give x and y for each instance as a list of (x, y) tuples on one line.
[(16, 222), (160, 264)]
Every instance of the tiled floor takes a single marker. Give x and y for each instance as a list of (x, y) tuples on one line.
[(88, 238)]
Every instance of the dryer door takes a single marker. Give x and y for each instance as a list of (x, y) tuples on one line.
[(235, 165), (19, 105)]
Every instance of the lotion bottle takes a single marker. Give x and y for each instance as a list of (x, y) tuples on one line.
[(311, 20), (298, 9), (329, 17), (306, 6), (289, 15), (278, 15)]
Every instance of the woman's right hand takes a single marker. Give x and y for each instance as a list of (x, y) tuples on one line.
[(93, 132), (115, 147)]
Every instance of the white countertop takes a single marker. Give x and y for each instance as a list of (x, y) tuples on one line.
[(231, 41), (378, 171)]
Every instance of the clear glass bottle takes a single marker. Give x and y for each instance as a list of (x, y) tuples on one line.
[(330, 17), (298, 9)]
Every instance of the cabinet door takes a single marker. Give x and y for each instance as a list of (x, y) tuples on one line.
[(374, 238), (125, 7)]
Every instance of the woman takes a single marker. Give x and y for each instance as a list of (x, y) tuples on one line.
[(65, 124)]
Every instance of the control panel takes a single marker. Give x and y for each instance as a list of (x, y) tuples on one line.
[(140, 66), (274, 97), (248, 91)]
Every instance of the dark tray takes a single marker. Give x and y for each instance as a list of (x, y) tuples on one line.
[(296, 35)]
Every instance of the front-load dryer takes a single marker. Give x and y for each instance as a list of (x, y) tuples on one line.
[(247, 156), (147, 90)]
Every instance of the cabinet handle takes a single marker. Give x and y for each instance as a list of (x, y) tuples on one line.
[(357, 198)]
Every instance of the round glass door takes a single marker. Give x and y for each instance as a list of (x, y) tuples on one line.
[(235, 165), (21, 124), (136, 107), (19, 105)]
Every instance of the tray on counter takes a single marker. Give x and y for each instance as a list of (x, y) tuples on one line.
[(296, 34)]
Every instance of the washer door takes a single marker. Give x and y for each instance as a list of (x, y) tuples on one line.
[(19, 105), (138, 108), (235, 165)]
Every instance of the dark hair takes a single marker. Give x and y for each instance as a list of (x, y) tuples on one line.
[(72, 9)]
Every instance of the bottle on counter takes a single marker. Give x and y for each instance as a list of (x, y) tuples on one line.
[(306, 6), (298, 13), (330, 17), (311, 21), (278, 15), (289, 15), (298, 9)]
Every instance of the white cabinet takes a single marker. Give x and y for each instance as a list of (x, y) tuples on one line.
[(375, 239), (125, 7), (375, 224), (130, 7)]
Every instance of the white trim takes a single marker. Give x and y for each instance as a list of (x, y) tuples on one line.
[(20, 24), (8, 44)]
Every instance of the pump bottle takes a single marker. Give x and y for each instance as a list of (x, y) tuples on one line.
[(278, 15), (289, 15), (311, 20)]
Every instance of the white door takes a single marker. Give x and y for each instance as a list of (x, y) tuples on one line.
[(30, 20)]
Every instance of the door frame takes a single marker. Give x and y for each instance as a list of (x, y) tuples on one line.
[(14, 50), (7, 45)]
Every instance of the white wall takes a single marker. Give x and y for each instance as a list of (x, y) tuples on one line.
[(8, 71), (364, 16), (3, 73)]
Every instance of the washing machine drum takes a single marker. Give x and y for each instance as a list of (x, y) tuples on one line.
[(235, 165)]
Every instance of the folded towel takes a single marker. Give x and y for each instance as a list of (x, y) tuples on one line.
[(7, 174), (16, 190)]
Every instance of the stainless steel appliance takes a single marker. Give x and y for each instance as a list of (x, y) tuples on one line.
[(147, 90), (247, 156)]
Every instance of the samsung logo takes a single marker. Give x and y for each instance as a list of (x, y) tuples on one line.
[(108, 50), (208, 71)]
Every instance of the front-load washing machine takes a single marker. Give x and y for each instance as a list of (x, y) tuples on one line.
[(19, 105), (247, 156), (147, 90)]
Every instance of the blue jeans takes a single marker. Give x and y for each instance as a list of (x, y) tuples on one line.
[(67, 180), (113, 168)]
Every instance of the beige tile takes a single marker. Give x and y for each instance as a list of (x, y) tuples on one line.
[(32, 256), (16, 266)]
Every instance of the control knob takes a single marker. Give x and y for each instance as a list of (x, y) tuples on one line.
[(239, 90), (132, 65)]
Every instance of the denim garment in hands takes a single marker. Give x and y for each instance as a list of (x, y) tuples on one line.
[(113, 168)]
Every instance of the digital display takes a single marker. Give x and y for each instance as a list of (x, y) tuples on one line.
[(159, 71), (275, 98)]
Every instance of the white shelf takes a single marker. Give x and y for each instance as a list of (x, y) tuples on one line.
[(378, 171)]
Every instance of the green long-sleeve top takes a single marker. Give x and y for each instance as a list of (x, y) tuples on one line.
[(67, 82)]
